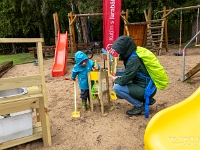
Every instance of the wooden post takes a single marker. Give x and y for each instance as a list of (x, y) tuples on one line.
[(74, 48), (46, 134), (55, 28), (57, 21), (41, 69), (125, 26), (149, 14), (126, 31), (165, 27)]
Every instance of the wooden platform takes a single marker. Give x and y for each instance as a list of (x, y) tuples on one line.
[(35, 99)]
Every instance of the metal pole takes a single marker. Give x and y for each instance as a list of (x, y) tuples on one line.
[(197, 28), (183, 58)]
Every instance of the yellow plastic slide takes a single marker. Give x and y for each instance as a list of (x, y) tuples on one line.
[(176, 127)]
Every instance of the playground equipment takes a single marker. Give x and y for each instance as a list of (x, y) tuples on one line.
[(99, 76), (137, 31), (176, 127), (179, 53), (72, 19), (193, 70), (60, 58), (168, 13), (35, 99), (156, 33)]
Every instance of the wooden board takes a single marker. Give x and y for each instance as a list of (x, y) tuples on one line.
[(138, 33)]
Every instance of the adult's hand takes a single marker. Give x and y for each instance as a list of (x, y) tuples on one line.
[(114, 77)]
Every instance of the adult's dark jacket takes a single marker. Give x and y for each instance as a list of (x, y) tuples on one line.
[(125, 46)]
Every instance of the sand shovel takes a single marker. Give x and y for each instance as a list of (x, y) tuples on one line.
[(75, 113)]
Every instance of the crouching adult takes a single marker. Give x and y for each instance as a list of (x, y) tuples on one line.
[(131, 85)]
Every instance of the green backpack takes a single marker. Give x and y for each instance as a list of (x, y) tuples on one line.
[(154, 68)]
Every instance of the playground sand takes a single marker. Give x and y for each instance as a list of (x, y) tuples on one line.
[(116, 131)]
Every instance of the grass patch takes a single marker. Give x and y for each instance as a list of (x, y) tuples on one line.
[(18, 58)]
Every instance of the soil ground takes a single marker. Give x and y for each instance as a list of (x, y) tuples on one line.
[(116, 131)]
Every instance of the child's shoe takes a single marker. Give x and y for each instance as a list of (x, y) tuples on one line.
[(84, 106)]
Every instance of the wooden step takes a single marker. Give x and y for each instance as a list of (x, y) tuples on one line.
[(158, 20), (152, 25), (156, 27), (157, 41), (155, 34)]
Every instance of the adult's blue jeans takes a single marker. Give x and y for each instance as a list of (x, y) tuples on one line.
[(122, 92)]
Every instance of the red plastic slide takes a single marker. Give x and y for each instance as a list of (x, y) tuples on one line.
[(60, 58)]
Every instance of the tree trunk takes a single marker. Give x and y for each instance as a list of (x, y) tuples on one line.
[(84, 29), (83, 25), (196, 27), (44, 12), (14, 49), (40, 20), (78, 24)]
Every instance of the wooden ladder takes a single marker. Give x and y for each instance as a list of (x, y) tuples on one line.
[(155, 33)]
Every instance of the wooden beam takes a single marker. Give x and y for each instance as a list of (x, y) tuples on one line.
[(126, 17), (193, 71), (183, 8), (21, 40), (45, 123), (125, 24), (18, 82), (149, 14), (55, 28), (168, 13), (19, 141), (73, 42), (73, 21), (165, 28), (145, 15), (95, 14), (57, 21), (17, 106)]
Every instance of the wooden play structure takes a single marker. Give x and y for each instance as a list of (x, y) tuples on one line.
[(157, 29), (135, 30), (35, 99), (99, 76), (70, 55), (151, 34), (147, 34), (195, 69), (156, 32)]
